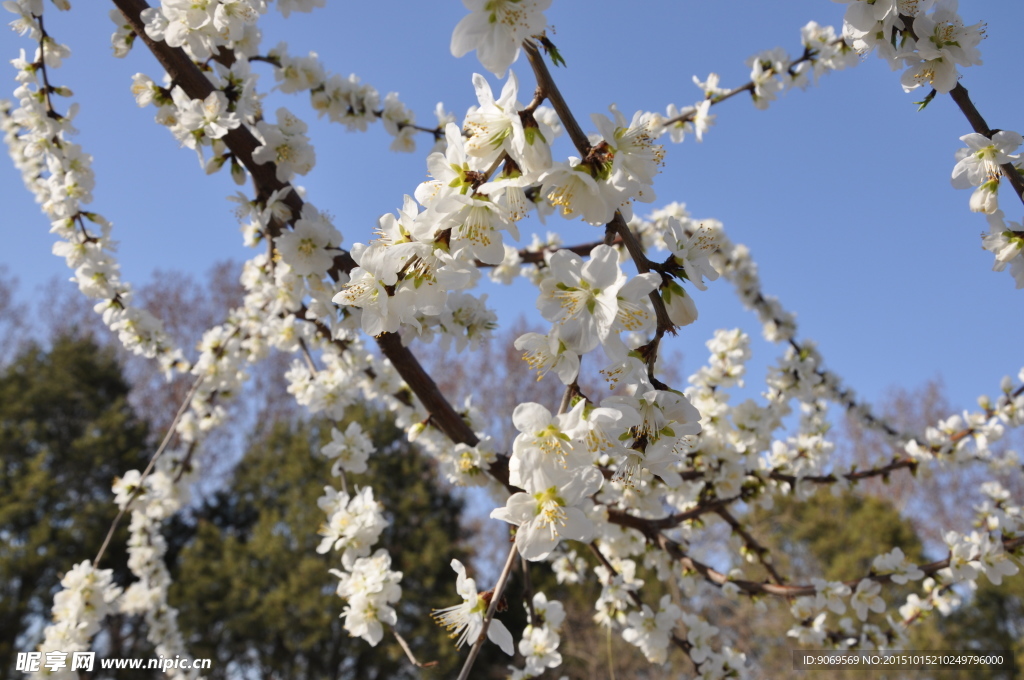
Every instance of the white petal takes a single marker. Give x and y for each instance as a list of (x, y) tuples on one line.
[(531, 417), (499, 635)]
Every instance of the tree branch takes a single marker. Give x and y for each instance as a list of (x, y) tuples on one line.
[(752, 544), (978, 124), (960, 96), (491, 608), (579, 139), (243, 143), (781, 590)]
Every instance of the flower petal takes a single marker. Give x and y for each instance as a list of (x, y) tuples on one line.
[(499, 635)]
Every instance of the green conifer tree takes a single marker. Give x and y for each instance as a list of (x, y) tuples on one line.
[(255, 596), (66, 431)]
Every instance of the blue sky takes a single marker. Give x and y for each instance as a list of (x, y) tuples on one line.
[(841, 192)]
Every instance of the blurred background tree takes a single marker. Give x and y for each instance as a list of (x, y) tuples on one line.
[(255, 596), (66, 431)]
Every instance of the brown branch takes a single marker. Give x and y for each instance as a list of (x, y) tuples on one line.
[(243, 143), (747, 87), (651, 527), (978, 124), (897, 464), (546, 85), (781, 590), (579, 139), (752, 544), (443, 415)]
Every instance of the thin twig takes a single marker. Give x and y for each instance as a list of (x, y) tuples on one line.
[(308, 357), (579, 139), (243, 143), (408, 651), (528, 591), (752, 544), (611, 657), (149, 468), (491, 608), (687, 116)]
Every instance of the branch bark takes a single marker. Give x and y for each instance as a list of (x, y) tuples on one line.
[(978, 124), (243, 143), (579, 139)]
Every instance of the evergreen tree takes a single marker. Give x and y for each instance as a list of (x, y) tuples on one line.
[(66, 431), (255, 596), (835, 537)]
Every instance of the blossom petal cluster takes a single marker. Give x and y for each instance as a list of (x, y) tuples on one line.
[(496, 30), (87, 597), (466, 621), (370, 587)]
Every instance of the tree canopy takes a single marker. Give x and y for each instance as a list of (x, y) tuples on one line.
[(66, 431)]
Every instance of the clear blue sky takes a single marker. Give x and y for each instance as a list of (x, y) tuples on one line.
[(841, 192)]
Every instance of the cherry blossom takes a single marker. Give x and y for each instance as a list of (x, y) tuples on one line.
[(550, 515), (866, 598), (466, 620), (582, 297), (496, 28)]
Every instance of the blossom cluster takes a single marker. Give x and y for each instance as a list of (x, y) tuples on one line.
[(540, 639), (368, 585), (811, 378), (929, 39), (348, 101), (350, 450), (772, 72), (201, 29), (87, 597), (152, 500), (59, 173)]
